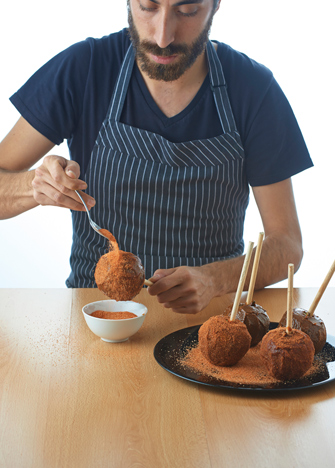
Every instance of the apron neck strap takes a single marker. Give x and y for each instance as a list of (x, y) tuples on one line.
[(121, 87), (219, 89)]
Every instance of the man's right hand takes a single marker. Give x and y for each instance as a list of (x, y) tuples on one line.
[(53, 183), (56, 180)]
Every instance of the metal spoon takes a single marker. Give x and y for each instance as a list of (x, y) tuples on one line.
[(92, 223)]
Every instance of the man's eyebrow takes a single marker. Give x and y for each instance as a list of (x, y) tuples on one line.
[(187, 2), (181, 2)]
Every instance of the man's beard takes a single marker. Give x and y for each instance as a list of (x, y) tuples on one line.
[(167, 72)]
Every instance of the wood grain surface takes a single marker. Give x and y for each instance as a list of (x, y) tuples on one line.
[(68, 399)]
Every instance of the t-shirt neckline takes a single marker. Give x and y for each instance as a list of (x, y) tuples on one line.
[(167, 121)]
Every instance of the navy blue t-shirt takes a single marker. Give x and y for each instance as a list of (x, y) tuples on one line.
[(68, 98)]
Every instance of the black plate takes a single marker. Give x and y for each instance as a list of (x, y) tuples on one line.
[(172, 348)]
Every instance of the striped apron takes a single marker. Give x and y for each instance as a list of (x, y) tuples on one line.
[(169, 203)]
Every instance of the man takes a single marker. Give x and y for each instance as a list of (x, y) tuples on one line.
[(168, 131)]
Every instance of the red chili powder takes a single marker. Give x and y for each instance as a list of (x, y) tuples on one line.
[(113, 315), (250, 370), (112, 241)]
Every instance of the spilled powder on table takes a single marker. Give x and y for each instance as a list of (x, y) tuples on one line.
[(250, 370)]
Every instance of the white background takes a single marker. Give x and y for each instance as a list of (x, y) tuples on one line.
[(294, 38)]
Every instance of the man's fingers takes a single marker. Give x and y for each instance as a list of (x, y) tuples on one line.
[(182, 289), (47, 194), (163, 281), (71, 171), (90, 201), (162, 274), (64, 172), (55, 183)]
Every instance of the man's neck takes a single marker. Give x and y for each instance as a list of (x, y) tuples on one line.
[(173, 97)]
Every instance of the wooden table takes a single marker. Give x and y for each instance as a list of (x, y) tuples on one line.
[(68, 399)]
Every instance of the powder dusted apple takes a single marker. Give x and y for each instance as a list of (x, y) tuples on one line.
[(120, 275), (223, 341), (287, 356)]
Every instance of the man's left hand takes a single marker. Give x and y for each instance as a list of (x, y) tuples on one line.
[(186, 290)]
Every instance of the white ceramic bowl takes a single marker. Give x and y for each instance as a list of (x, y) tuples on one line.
[(114, 331)]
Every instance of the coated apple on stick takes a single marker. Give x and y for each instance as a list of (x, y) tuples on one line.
[(286, 352), (222, 340), (251, 314), (309, 323)]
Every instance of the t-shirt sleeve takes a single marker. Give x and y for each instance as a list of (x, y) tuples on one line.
[(274, 146), (51, 100)]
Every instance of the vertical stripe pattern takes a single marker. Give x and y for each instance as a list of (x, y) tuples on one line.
[(169, 203)]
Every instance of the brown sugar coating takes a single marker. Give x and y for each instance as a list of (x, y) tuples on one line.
[(222, 341), (120, 275), (287, 356), (255, 318), (113, 315), (313, 326)]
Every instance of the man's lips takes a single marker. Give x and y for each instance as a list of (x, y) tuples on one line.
[(164, 60)]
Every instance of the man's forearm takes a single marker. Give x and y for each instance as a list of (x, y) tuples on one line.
[(16, 193), (277, 252)]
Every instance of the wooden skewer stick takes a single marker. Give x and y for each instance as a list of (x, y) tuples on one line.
[(255, 268), (244, 272), (289, 314), (321, 290), (148, 283)]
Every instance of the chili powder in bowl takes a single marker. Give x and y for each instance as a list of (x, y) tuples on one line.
[(114, 321)]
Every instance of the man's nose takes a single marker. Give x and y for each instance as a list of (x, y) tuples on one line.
[(165, 29)]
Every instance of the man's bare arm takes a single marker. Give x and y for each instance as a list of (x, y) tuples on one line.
[(190, 289), (52, 183), (19, 151), (283, 241)]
